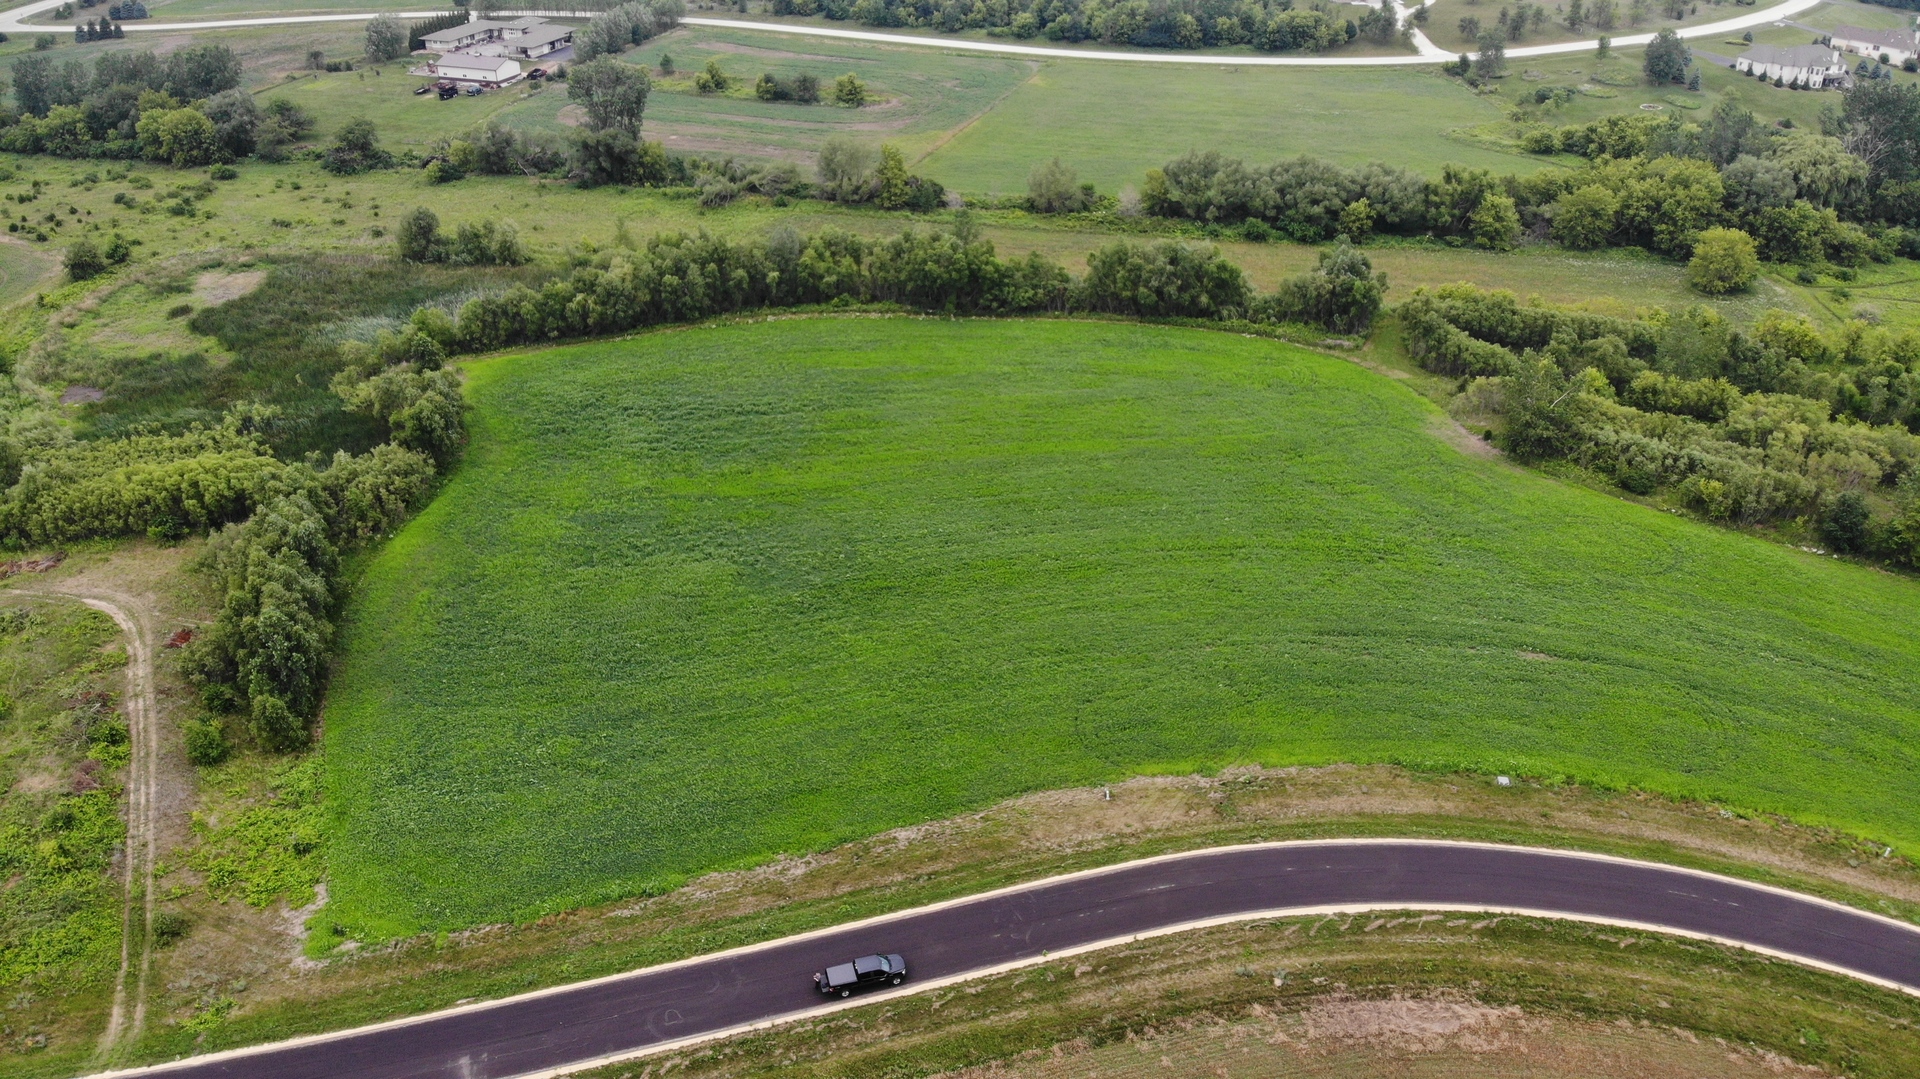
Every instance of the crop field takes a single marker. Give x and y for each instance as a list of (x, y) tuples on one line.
[(703, 596)]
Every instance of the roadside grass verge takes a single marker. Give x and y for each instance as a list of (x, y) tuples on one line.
[(701, 597)]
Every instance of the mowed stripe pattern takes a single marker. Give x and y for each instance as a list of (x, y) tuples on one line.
[(628, 1013), (703, 596)]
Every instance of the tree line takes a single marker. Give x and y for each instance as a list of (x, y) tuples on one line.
[(1843, 195), (186, 109), (1747, 426), (1270, 25)]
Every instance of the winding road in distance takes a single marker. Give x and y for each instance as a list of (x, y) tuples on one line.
[(623, 1016), (12, 21)]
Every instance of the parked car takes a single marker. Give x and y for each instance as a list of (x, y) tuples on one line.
[(475, 91), (422, 88), (863, 973), (537, 73), (448, 92)]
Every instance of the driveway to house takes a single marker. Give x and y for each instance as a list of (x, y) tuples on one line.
[(1426, 52), (659, 1009)]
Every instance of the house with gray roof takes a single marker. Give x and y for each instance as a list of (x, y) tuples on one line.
[(1898, 46), (1813, 66)]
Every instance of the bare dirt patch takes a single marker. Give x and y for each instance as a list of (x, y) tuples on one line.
[(214, 288), (1402, 1039), (82, 395), (575, 115), (1454, 434)]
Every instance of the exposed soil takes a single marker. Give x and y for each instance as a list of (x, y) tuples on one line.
[(214, 288), (82, 395)]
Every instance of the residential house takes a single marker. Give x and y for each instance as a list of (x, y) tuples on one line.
[(1898, 46), (466, 67), (1806, 65)]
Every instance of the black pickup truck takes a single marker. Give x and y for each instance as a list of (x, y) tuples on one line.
[(863, 973)]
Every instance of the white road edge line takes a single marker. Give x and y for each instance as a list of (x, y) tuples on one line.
[(1082, 874), (10, 22)]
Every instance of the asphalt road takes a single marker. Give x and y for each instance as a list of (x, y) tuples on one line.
[(624, 1014)]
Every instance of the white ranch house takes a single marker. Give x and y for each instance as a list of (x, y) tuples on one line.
[(1898, 46), (1809, 65)]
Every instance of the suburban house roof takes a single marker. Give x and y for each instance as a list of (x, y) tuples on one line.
[(1808, 56), (1894, 39), (463, 31), (462, 61), (540, 36)]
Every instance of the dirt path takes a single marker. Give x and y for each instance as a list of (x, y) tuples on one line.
[(141, 708)]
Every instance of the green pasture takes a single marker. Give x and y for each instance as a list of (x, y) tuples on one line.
[(1443, 22), (702, 596), (1113, 121)]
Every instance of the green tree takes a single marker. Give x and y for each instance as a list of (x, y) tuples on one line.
[(183, 137), (1495, 223), (355, 149), (711, 79), (1723, 261), (891, 179), (84, 260), (419, 237), (1356, 221), (848, 90), (614, 94), (844, 170), (201, 71), (1053, 188), (386, 39), (1491, 60), (1584, 219), (1667, 57)]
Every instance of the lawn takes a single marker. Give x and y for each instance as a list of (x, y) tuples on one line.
[(702, 596)]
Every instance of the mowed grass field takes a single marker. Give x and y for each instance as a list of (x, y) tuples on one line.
[(702, 596)]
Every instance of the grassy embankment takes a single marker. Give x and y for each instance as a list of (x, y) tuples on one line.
[(701, 597)]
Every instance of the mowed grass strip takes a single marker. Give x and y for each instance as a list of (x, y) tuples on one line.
[(703, 596)]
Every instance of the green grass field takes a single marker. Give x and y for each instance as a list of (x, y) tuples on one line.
[(1113, 121), (702, 596)]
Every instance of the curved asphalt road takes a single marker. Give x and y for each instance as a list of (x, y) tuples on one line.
[(628, 1015)]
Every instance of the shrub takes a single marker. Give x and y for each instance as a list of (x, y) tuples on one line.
[(848, 90), (1164, 279), (1342, 294), (169, 926), (275, 726), (1053, 188), (1844, 524), (1723, 261), (356, 149), (711, 79), (84, 260), (206, 741)]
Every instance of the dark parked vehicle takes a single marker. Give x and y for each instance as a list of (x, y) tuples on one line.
[(863, 973), (475, 91), (537, 73), (448, 93), (423, 88)]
